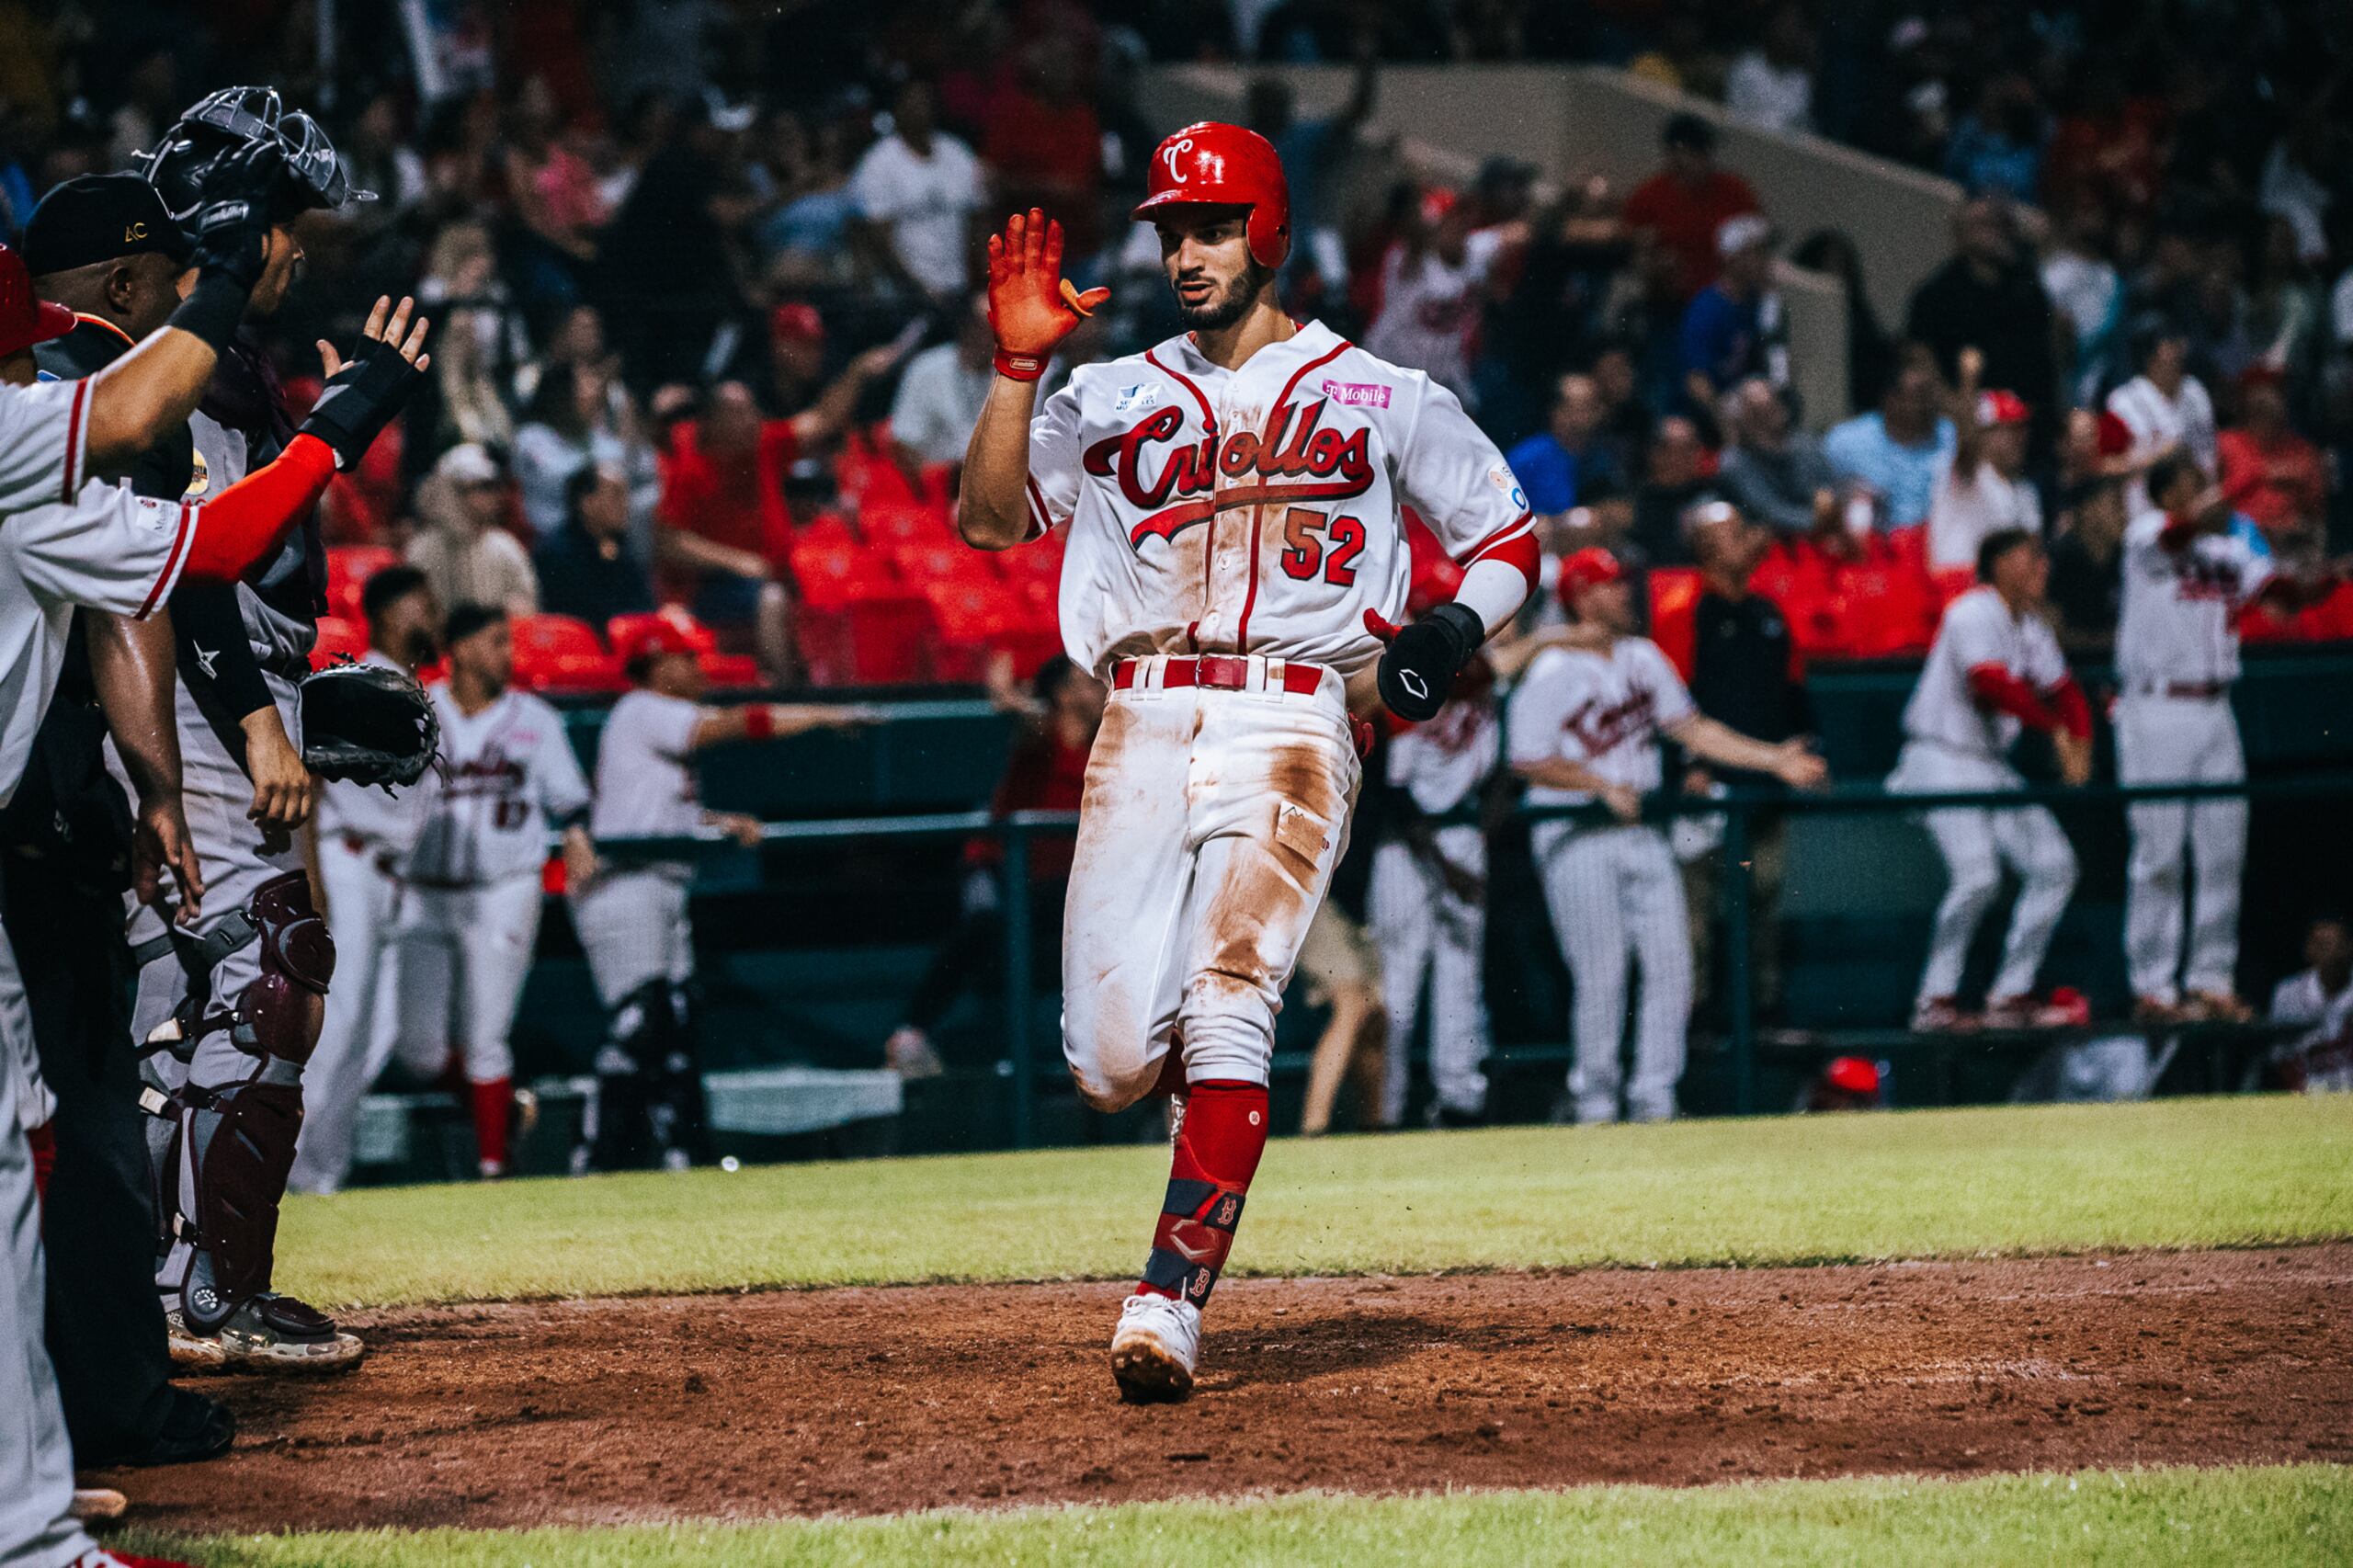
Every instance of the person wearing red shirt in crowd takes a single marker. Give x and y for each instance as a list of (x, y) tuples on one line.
[(1046, 145), (724, 524), (2269, 471), (1680, 209), (1047, 772)]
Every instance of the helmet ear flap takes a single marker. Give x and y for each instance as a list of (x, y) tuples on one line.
[(1268, 232)]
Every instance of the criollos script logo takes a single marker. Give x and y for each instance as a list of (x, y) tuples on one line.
[(1295, 460)]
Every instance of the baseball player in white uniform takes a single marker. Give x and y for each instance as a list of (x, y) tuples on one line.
[(1234, 559), (1585, 726), (67, 540), (469, 921), (2188, 579), (2320, 1002), (364, 834), (630, 914), (1994, 670), (1428, 902)]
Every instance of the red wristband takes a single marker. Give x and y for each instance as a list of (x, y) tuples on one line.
[(1019, 367), (759, 722)]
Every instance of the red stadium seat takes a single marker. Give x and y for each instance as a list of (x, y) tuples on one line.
[(942, 561), (349, 568), (1675, 605), (337, 637), (557, 653)]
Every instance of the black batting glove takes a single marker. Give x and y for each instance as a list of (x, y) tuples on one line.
[(360, 399), (1418, 671), (231, 230)]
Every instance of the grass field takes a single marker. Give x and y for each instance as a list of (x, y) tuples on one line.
[(2179, 1173), (2276, 1515)]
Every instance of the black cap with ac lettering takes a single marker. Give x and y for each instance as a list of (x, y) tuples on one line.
[(94, 218)]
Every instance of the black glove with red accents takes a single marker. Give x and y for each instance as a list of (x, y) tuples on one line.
[(1417, 670)]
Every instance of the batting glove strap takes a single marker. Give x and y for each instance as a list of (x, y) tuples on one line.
[(1019, 367), (1417, 672)]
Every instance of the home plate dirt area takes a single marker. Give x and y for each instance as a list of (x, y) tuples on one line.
[(875, 1401)]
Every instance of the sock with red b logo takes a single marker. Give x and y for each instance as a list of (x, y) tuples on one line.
[(1216, 1154)]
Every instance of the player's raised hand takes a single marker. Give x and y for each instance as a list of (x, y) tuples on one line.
[(365, 392), (1031, 306)]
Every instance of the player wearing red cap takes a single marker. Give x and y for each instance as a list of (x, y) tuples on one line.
[(1235, 566), (1981, 487), (632, 915), (1585, 728)]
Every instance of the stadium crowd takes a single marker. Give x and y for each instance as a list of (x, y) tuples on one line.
[(710, 333)]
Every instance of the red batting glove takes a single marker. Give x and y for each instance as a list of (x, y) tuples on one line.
[(1031, 306)]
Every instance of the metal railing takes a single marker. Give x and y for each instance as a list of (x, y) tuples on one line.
[(1739, 808)]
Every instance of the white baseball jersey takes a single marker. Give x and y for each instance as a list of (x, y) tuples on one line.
[(645, 775), (1256, 511), (2181, 606), (1429, 309), (382, 819), (2157, 421), (1978, 629), (2328, 1023), (109, 551), (1604, 712), (1962, 512), (1441, 764), (506, 773), (44, 432)]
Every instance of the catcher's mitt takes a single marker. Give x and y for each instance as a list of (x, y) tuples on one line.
[(367, 723)]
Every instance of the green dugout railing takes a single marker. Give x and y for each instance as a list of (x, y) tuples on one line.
[(1739, 808)]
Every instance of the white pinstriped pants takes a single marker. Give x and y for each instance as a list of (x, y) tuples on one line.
[(1976, 843), (1424, 930), (1616, 898)]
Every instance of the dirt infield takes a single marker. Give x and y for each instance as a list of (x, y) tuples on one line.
[(881, 1400)]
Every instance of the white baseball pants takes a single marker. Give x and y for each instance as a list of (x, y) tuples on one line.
[(1424, 931), (1211, 823), (632, 924), (2181, 740), (1615, 894), (1976, 843), (363, 911), (459, 968), (37, 1529)]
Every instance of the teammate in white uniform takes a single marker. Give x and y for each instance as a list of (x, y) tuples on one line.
[(1428, 902), (1980, 486), (1995, 669), (2188, 579), (471, 919), (1234, 559), (67, 540), (1584, 725), (632, 913), (2320, 1001), (364, 834)]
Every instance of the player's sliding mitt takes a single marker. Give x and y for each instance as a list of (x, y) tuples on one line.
[(368, 724), (1032, 306), (1418, 667)]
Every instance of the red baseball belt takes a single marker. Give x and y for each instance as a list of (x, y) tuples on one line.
[(1218, 672)]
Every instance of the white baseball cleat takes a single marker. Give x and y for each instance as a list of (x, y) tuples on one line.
[(1153, 1348)]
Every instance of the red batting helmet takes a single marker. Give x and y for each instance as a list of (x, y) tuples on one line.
[(1214, 165), (24, 320), (1588, 568)]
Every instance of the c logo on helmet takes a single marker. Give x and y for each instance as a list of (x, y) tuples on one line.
[(1169, 155)]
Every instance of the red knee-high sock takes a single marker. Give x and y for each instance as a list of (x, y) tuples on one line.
[(493, 1102), (1216, 1155)]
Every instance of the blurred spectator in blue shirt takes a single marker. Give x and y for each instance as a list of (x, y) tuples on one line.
[(1732, 328), (1894, 449), (1556, 466), (1996, 149)]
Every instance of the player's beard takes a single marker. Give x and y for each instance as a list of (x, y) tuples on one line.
[(1231, 304)]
